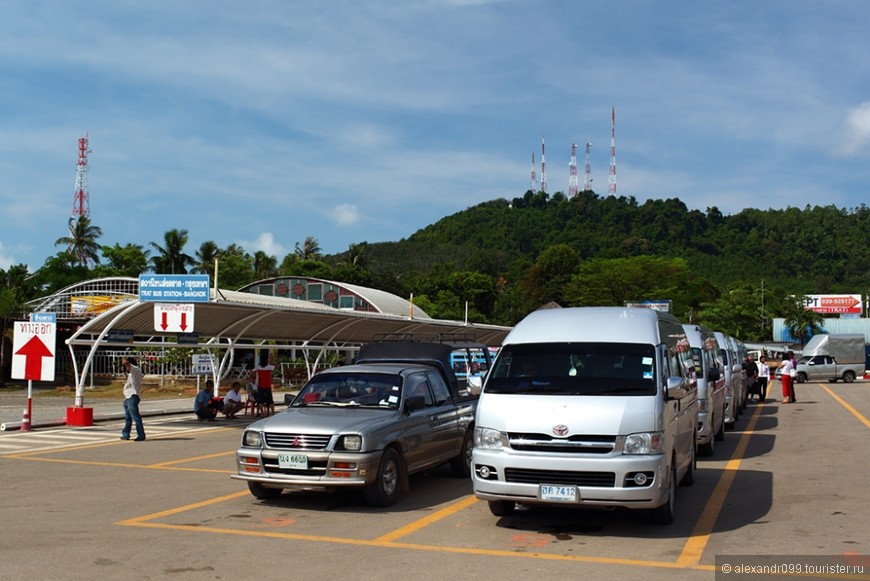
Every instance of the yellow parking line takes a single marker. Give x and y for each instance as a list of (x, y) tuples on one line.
[(193, 459), (694, 548), (426, 521), (853, 411)]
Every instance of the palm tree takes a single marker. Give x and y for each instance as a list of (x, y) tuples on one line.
[(172, 259), (310, 250), (801, 321), (265, 266), (205, 257), (82, 241)]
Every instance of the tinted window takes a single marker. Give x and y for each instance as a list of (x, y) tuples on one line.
[(574, 369)]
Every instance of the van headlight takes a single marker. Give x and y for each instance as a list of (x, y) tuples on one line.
[(644, 443), (252, 439), (489, 439)]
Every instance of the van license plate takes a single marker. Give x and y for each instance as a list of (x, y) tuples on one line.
[(293, 461), (558, 493)]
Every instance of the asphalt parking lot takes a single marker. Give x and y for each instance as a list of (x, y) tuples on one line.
[(78, 503)]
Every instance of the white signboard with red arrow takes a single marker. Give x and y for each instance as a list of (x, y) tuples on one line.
[(33, 348), (173, 317)]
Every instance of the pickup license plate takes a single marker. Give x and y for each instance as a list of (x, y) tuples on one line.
[(558, 493), (293, 461)]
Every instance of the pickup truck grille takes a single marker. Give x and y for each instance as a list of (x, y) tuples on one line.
[(297, 441), (595, 479), (580, 444)]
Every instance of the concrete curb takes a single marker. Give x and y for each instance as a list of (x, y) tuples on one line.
[(10, 426)]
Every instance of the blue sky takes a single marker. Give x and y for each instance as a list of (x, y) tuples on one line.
[(263, 122)]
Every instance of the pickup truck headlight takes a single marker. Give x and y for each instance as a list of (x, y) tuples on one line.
[(489, 439), (351, 443), (644, 443), (252, 439)]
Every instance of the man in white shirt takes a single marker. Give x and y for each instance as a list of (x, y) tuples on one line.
[(131, 400)]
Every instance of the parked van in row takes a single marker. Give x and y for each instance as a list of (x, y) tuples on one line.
[(735, 378), (588, 407), (710, 377)]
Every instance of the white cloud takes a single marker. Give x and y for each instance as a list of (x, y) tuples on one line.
[(345, 214), (857, 129), (265, 242)]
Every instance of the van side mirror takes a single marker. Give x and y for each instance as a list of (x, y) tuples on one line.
[(676, 388), (475, 384)]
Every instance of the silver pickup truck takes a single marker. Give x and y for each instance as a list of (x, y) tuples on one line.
[(398, 411)]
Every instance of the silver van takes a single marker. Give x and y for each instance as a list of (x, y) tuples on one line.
[(709, 374), (735, 378), (588, 407)]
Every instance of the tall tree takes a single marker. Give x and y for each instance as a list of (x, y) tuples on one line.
[(127, 260), (801, 322), (205, 257), (171, 258), (309, 250), (82, 241), (265, 266)]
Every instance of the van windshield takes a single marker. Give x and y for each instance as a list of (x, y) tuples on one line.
[(574, 369)]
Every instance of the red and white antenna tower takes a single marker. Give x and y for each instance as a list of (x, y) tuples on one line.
[(573, 186), (534, 175), (543, 167), (81, 198), (611, 185), (587, 170)]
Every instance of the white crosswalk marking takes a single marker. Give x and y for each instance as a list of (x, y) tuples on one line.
[(48, 439)]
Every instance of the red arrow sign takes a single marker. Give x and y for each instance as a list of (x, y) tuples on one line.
[(163, 321), (34, 350), (184, 321)]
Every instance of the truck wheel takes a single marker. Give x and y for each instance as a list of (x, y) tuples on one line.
[(849, 376), (262, 492), (385, 489), (801, 377), (461, 464), (502, 507), (664, 515)]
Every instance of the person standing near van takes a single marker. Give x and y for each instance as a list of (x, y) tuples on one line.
[(131, 400), (263, 386), (786, 370), (763, 378)]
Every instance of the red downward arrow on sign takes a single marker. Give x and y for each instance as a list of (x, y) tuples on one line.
[(183, 321), (34, 350), (163, 322)]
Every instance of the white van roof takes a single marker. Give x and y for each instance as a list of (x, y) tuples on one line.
[(599, 324)]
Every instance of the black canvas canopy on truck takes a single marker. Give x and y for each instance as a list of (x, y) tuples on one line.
[(434, 354)]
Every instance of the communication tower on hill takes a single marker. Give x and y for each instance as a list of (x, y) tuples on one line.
[(543, 167), (81, 198), (587, 170), (534, 175), (611, 187), (573, 186)]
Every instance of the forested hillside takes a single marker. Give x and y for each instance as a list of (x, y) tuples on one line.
[(595, 249)]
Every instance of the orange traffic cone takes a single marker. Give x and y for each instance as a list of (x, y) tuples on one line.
[(25, 421)]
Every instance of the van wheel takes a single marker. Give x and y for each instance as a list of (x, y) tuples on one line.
[(664, 515), (848, 376), (707, 449), (385, 489), (801, 377), (689, 476), (502, 507), (263, 493), (461, 464), (720, 435)]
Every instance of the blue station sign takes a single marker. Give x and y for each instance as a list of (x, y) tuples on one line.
[(174, 288)]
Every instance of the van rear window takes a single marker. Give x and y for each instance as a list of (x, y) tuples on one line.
[(574, 369)]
